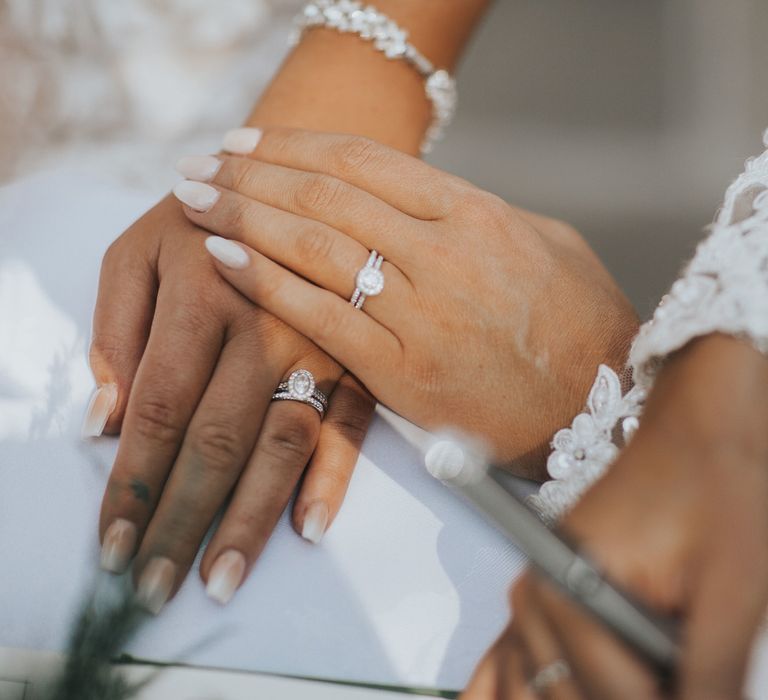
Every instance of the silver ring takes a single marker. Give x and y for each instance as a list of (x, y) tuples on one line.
[(300, 386), (369, 281), (550, 675)]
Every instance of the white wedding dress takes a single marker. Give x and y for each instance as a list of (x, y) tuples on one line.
[(125, 87)]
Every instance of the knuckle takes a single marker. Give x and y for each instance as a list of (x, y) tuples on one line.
[(292, 437), (357, 153), (318, 193), (219, 445), (241, 176), (353, 427), (237, 218), (327, 321), (156, 419), (313, 244), (107, 349)]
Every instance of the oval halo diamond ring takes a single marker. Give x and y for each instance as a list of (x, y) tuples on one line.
[(300, 386), (369, 281)]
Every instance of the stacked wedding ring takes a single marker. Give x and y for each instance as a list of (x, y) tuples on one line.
[(552, 674), (369, 281), (300, 386)]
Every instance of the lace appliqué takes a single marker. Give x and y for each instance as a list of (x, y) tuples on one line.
[(583, 452), (725, 286), (723, 289)]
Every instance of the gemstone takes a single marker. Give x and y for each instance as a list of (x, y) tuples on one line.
[(301, 384), (370, 281)]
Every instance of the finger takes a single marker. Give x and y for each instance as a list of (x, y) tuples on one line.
[(312, 249), (327, 476), (320, 197), (285, 444), (721, 636), (354, 339), (181, 354), (540, 646), (514, 669), (401, 180), (218, 441), (600, 664), (121, 322), (485, 680)]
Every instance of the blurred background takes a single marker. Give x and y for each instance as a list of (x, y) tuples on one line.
[(628, 118)]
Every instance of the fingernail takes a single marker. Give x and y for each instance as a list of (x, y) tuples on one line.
[(242, 141), (225, 577), (99, 409), (315, 520), (197, 195), (119, 544), (227, 252), (156, 583), (202, 168)]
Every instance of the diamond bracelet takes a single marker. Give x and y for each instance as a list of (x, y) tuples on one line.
[(350, 16)]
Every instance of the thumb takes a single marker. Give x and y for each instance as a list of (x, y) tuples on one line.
[(121, 323)]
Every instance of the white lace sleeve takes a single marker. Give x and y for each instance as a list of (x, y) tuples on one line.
[(724, 288)]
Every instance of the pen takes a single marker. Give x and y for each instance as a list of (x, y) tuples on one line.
[(653, 637)]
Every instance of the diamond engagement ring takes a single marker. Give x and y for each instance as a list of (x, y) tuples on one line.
[(369, 281), (300, 386), (550, 675)]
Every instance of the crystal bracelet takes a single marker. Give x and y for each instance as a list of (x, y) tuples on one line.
[(367, 22)]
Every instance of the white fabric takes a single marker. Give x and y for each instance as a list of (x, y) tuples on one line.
[(408, 587), (724, 288)]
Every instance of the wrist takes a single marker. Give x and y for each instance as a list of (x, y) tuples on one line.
[(712, 396)]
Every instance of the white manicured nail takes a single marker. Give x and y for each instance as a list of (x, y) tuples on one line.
[(226, 575), (99, 409), (156, 584), (227, 253), (242, 141), (197, 195), (202, 168), (315, 521), (119, 544)]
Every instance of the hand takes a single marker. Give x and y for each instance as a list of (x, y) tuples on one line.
[(492, 318), (187, 368), (681, 521)]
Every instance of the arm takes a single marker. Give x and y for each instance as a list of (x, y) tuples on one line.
[(186, 367)]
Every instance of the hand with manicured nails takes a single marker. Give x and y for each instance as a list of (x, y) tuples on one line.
[(186, 368), (492, 319), (680, 520)]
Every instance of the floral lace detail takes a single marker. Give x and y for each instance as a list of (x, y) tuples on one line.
[(583, 452), (725, 286), (723, 289)]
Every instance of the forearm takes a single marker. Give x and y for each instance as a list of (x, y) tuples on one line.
[(339, 82)]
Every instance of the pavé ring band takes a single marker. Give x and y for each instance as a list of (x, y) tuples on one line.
[(552, 674), (369, 281), (300, 386)]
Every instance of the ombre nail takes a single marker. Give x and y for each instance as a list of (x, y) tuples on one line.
[(201, 168), (118, 547), (196, 195), (99, 409), (227, 253), (156, 584), (315, 522), (225, 577), (242, 141)]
